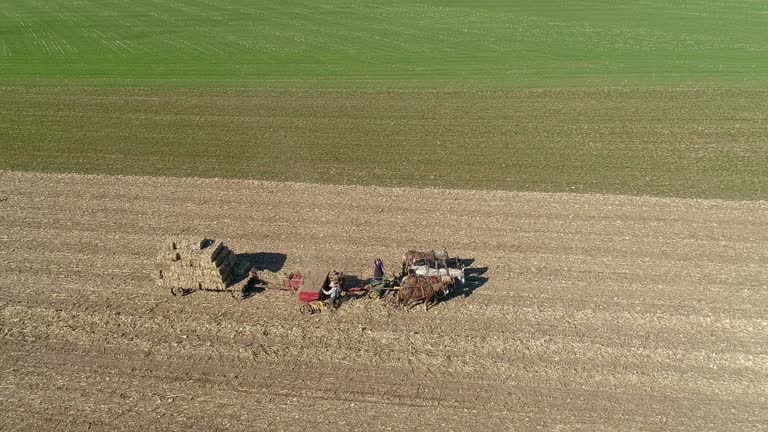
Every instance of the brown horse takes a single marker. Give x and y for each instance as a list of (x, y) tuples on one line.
[(414, 257), (415, 289)]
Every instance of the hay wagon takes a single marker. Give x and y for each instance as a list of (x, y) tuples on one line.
[(309, 293), (183, 266), (307, 285)]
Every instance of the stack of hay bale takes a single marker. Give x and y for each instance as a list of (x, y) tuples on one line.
[(205, 265)]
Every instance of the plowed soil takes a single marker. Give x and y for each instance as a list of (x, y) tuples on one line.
[(581, 312)]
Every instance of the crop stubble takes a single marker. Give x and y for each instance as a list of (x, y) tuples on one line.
[(599, 312)]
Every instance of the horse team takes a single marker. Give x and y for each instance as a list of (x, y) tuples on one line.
[(428, 276)]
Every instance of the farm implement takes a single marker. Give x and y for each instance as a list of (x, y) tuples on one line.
[(318, 289), (185, 266)]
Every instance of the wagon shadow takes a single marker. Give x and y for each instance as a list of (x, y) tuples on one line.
[(269, 261), (259, 261), (251, 289), (474, 279)]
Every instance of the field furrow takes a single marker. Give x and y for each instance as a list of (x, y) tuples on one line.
[(593, 312)]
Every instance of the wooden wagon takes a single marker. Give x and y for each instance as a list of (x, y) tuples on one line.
[(185, 265), (308, 286), (378, 287)]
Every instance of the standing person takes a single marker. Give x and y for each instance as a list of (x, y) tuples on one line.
[(378, 272)]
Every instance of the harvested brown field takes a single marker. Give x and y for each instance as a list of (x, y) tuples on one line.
[(584, 312)]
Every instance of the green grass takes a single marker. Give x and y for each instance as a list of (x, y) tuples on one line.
[(690, 143), (639, 97), (391, 44)]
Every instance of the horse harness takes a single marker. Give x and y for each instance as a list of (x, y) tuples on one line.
[(431, 283)]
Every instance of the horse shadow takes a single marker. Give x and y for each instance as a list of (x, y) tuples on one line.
[(259, 261), (473, 279), (466, 262)]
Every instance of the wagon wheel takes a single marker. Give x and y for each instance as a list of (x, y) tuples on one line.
[(374, 294), (307, 309)]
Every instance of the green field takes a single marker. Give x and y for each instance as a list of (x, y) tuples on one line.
[(637, 97), (375, 44), (703, 143)]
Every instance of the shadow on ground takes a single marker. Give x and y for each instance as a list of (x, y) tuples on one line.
[(465, 262), (473, 279), (260, 261), (270, 261)]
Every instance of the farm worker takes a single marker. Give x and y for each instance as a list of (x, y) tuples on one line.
[(378, 272), (333, 292)]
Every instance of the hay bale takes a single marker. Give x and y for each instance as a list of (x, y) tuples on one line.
[(206, 264)]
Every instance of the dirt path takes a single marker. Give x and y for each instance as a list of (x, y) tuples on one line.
[(583, 312)]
